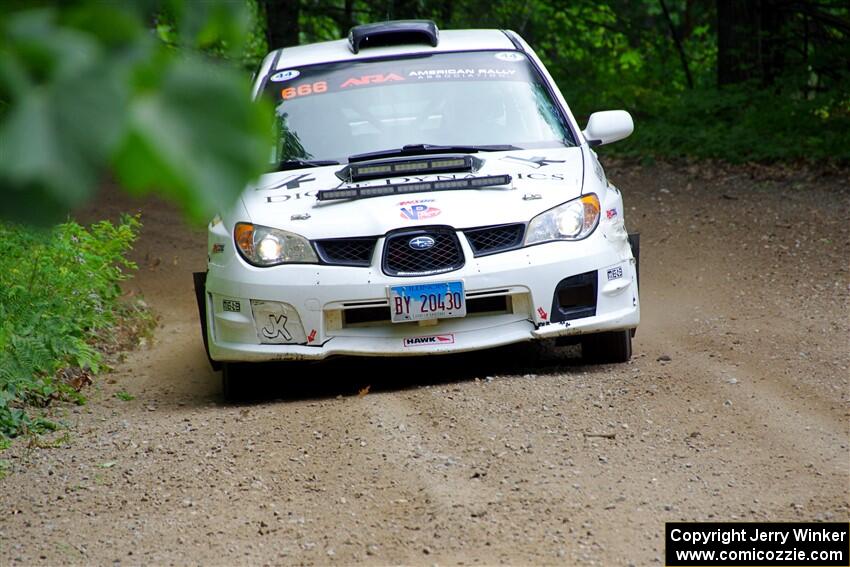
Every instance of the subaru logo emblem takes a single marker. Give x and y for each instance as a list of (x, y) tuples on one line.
[(421, 243)]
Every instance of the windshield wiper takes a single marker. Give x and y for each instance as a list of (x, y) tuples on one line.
[(287, 164), (421, 149)]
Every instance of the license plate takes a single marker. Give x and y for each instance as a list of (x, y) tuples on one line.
[(427, 301)]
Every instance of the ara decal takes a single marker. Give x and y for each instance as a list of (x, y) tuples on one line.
[(370, 80)]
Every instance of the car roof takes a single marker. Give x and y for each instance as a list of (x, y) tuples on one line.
[(339, 50)]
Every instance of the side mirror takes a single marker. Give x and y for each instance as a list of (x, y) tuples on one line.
[(608, 126)]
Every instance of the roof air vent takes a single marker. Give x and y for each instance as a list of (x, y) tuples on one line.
[(397, 32)]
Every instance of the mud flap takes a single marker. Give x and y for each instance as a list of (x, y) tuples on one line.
[(634, 242), (200, 279)]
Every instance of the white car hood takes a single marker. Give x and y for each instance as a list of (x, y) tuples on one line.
[(541, 179)]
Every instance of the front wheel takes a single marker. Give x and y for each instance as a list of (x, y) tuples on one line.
[(236, 381), (613, 346)]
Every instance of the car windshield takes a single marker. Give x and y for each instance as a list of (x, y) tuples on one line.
[(483, 98)]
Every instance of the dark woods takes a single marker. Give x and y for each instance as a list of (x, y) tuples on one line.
[(754, 39), (727, 78), (766, 40)]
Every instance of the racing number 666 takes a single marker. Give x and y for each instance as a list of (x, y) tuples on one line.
[(304, 90)]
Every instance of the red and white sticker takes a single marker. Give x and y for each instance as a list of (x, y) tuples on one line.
[(419, 211), (429, 340)]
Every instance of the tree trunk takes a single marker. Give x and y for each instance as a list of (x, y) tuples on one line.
[(348, 16), (404, 10), (752, 40), (679, 47), (282, 29), (343, 16), (737, 40), (446, 13), (773, 17)]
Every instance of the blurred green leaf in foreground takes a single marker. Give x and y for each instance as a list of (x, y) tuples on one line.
[(90, 90)]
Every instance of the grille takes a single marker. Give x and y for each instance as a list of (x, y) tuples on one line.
[(575, 298), (346, 251), (492, 239), (402, 260)]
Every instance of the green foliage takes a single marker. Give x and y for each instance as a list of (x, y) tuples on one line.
[(124, 396), (58, 296), (620, 54), (740, 124), (86, 90)]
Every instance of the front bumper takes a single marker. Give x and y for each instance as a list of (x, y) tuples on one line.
[(325, 304)]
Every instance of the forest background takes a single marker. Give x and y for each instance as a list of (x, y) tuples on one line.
[(154, 95)]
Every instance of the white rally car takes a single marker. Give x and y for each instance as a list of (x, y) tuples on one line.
[(429, 193)]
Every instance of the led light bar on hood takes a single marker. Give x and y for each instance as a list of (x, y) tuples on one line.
[(405, 188), (392, 168)]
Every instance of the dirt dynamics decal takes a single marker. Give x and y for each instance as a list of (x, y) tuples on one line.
[(429, 341)]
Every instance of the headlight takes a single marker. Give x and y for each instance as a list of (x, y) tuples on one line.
[(264, 246), (571, 221)]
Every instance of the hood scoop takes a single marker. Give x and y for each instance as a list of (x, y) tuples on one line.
[(379, 169)]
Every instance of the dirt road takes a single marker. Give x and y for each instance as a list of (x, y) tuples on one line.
[(735, 407)]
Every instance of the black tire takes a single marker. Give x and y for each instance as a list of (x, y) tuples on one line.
[(236, 381), (602, 348), (200, 279)]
